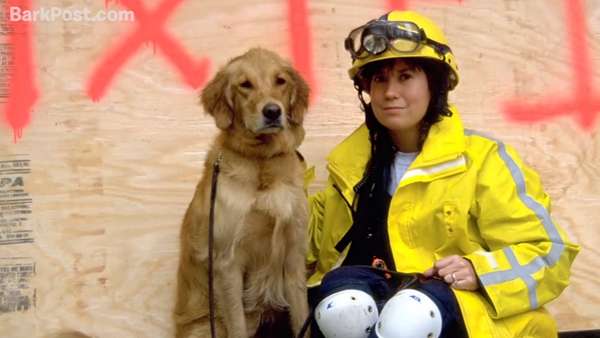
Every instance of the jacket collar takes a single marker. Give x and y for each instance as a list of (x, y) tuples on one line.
[(445, 143)]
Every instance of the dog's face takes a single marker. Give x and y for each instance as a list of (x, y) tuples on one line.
[(258, 92)]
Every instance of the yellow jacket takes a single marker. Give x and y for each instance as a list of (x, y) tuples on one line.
[(464, 194)]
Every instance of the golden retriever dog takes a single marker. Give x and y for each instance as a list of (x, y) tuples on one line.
[(258, 103)]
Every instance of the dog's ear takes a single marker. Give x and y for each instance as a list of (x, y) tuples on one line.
[(299, 96), (216, 100)]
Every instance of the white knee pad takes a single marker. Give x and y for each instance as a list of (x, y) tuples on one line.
[(347, 314), (409, 314)]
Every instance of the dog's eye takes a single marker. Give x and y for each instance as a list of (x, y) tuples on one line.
[(246, 84), (280, 81)]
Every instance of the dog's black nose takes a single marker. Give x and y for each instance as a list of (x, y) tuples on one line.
[(271, 111)]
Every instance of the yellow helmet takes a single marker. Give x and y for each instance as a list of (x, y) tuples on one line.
[(400, 34)]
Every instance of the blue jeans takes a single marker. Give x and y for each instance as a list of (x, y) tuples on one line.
[(381, 288)]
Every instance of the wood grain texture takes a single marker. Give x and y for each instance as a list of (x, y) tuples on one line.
[(110, 180)]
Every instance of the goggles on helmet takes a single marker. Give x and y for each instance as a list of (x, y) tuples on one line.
[(377, 36)]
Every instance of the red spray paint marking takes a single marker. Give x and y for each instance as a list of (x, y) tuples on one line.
[(403, 4), (22, 88), (150, 29), (584, 104), (301, 46), (397, 4)]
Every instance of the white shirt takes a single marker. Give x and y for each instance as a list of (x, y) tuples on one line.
[(401, 163)]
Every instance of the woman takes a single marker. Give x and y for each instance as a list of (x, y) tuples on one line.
[(412, 193)]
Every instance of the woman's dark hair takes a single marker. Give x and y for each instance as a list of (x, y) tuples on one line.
[(372, 188)]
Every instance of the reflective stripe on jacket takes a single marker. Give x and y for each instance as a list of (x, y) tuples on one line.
[(465, 194)]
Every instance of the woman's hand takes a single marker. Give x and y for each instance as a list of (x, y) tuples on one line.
[(455, 270)]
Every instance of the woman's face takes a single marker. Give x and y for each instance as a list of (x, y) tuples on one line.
[(399, 96)]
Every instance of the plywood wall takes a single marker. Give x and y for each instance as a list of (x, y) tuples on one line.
[(92, 195)]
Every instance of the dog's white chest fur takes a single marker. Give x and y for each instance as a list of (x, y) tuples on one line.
[(259, 217), (256, 193)]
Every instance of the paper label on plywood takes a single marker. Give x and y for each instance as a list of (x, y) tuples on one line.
[(16, 294), (15, 201)]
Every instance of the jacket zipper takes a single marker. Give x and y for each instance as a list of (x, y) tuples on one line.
[(388, 247)]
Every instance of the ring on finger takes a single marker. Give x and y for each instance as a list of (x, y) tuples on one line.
[(454, 279)]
